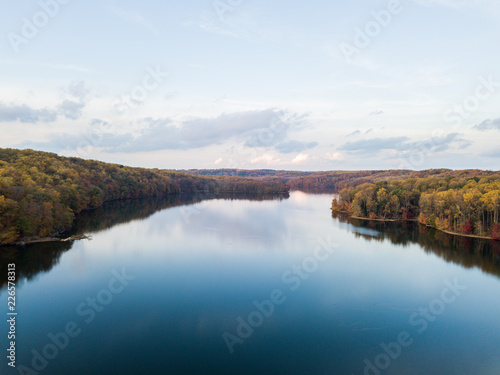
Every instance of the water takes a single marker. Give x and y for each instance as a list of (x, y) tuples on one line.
[(190, 272)]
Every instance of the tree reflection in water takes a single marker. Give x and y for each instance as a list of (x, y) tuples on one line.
[(32, 259), (465, 251)]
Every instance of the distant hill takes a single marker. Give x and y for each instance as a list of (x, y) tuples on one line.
[(334, 181)]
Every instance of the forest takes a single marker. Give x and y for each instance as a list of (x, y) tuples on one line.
[(460, 201), (334, 181), (40, 192), (314, 182)]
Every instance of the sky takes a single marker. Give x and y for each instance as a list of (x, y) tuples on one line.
[(296, 85)]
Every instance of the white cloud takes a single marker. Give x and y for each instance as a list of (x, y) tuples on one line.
[(488, 125), (266, 159), (57, 66), (335, 156), (300, 158), (488, 7), (74, 101), (132, 17), (258, 130), (239, 25)]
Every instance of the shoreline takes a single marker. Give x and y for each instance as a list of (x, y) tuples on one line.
[(383, 220), (416, 220), (459, 234), (49, 239)]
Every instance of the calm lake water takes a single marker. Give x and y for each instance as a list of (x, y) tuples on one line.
[(238, 286)]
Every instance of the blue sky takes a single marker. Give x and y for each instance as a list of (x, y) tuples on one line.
[(316, 85)]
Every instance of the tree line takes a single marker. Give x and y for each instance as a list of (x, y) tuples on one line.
[(334, 181), (468, 205), (40, 192), (314, 182)]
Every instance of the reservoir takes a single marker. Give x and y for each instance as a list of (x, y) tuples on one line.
[(253, 285)]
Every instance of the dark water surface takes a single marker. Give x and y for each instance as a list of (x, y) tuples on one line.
[(232, 286)]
